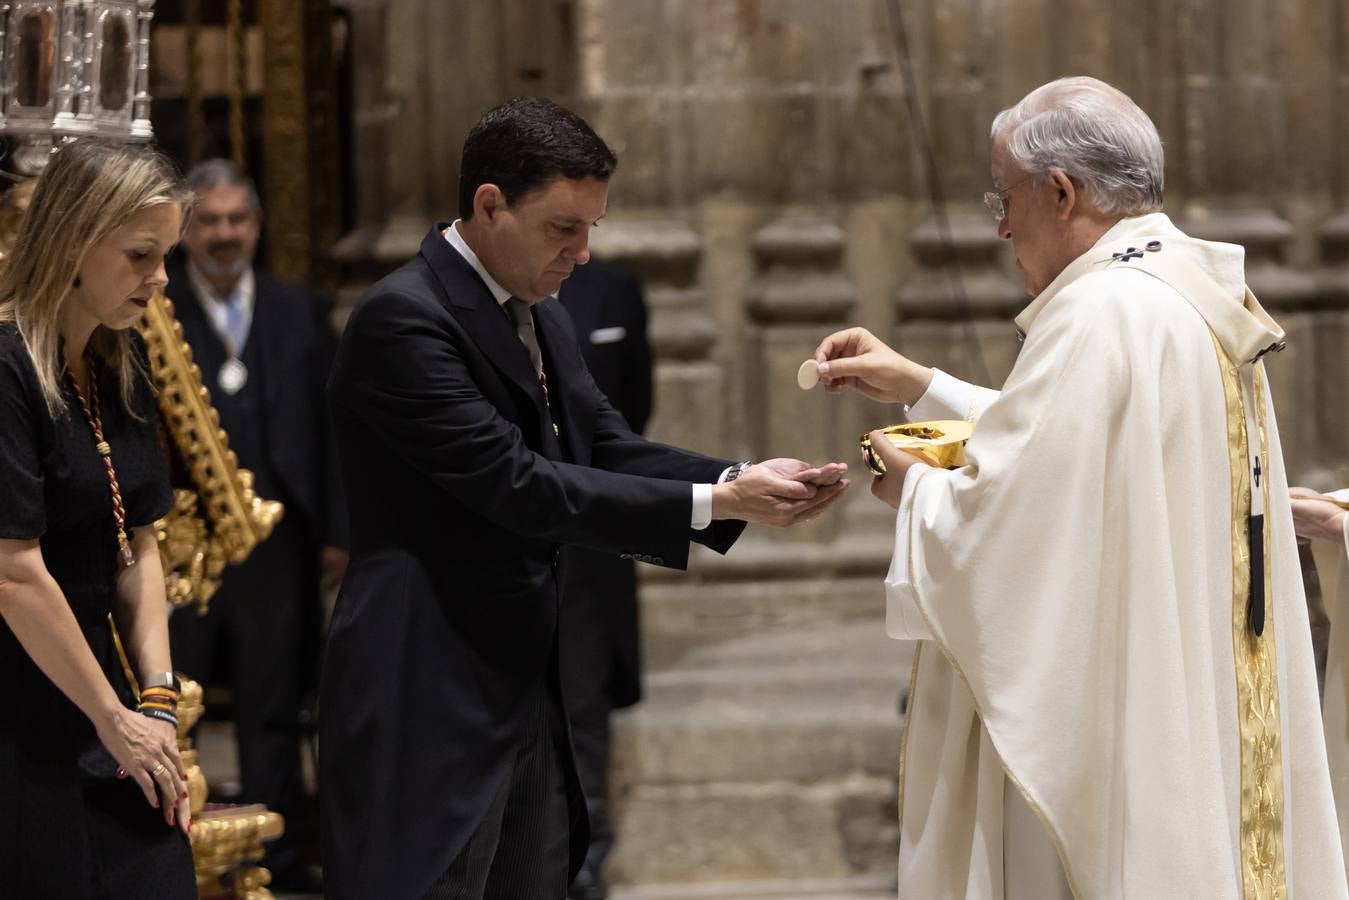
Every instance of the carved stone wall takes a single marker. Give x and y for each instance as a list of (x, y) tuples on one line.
[(772, 189)]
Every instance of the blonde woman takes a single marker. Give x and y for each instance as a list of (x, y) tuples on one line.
[(92, 792)]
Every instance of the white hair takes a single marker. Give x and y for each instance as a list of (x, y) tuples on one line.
[(1094, 133)]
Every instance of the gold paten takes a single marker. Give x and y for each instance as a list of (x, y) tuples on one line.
[(1262, 796), (941, 443)]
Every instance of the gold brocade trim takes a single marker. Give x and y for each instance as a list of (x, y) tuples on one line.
[(1262, 799)]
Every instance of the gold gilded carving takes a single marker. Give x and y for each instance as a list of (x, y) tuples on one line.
[(12, 208), (217, 523), (235, 517), (222, 839), (192, 562), (190, 709), (1262, 798)]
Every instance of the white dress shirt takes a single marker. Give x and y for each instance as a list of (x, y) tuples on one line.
[(216, 306), (702, 493)]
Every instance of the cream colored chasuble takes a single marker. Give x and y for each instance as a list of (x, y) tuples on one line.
[(1082, 589)]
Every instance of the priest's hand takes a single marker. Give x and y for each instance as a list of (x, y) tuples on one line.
[(780, 492), (858, 359), (1317, 518), (890, 486)]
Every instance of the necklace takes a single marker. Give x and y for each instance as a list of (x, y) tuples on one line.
[(93, 414)]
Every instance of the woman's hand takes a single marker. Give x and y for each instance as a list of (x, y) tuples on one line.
[(146, 749)]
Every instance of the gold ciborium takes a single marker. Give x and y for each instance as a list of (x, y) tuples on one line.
[(940, 443)]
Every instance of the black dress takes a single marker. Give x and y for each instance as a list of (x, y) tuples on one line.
[(69, 828)]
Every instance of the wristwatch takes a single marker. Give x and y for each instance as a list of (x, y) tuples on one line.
[(736, 471), (160, 679)]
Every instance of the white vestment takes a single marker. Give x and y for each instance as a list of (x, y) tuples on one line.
[(1332, 565), (1073, 588)]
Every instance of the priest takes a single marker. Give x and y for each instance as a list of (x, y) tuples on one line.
[(1114, 694)]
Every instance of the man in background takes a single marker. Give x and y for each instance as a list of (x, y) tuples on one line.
[(600, 635), (264, 347)]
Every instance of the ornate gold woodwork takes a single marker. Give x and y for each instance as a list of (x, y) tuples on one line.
[(216, 522), (226, 840), (233, 517)]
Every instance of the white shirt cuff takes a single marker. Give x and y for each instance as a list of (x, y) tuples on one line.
[(947, 397), (702, 501), (903, 620), (702, 506)]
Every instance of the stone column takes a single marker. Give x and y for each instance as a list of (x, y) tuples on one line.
[(953, 310), (1234, 142), (664, 252), (800, 295)]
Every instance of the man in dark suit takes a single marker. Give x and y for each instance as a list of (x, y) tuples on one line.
[(264, 346), (474, 445), (599, 634)]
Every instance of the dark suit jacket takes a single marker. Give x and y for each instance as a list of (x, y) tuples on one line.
[(461, 497), (290, 327), (606, 306)]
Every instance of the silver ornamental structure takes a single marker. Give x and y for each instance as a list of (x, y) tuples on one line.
[(72, 68)]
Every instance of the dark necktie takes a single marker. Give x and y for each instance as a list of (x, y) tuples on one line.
[(524, 327)]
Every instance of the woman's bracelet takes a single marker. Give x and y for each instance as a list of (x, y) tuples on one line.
[(159, 703), (162, 715)]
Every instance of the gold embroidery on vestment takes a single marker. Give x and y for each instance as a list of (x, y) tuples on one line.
[(1262, 798)]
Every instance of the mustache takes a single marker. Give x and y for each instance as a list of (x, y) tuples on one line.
[(220, 246)]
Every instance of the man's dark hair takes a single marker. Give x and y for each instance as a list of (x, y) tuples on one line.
[(525, 143)]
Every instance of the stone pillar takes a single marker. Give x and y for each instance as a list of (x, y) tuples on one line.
[(419, 84), (956, 312), (800, 295), (664, 253), (1233, 141), (953, 310)]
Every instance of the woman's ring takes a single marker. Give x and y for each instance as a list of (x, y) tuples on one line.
[(158, 770)]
